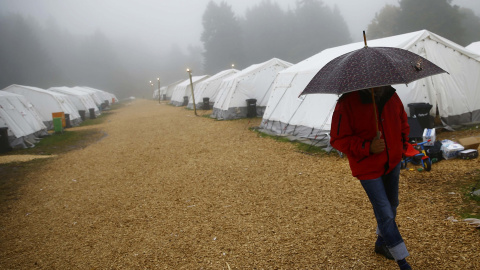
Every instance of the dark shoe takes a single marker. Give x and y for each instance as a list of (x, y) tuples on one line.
[(383, 250), (404, 265)]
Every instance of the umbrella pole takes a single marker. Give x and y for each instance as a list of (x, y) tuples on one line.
[(375, 113)]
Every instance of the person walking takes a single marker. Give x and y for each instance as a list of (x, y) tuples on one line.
[(375, 156)]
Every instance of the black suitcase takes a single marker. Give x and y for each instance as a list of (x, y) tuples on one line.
[(468, 154)]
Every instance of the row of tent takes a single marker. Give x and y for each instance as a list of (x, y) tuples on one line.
[(26, 112), (228, 90), (275, 85)]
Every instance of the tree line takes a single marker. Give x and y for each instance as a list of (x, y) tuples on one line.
[(267, 31), (50, 56), (47, 55), (455, 23)]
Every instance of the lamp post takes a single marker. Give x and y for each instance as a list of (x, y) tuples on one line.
[(191, 88), (158, 79), (233, 66), (153, 89)]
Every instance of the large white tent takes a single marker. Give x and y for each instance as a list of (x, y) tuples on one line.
[(22, 120), (474, 47), (105, 96), (209, 88), (253, 82), (96, 97), (456, 95), (46, 103), (166, 93), (81, 100), (183, 90)]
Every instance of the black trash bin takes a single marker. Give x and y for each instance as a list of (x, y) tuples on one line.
[(421, 111), (185, 101), (164, 97), (82, 114), (206, 103), (92, 113), (251, 107), (68, 124), (4, 144)]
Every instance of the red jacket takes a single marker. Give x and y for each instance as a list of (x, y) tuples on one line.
[(353, 129)]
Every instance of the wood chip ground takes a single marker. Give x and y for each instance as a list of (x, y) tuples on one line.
[(168, 190)]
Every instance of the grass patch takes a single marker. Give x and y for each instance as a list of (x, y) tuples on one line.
[(14, 176), (58, 143), (301, 146), (98, 120), (471, 204), (208, 115), (70, 139)]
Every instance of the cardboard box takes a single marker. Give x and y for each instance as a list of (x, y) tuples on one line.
[(429, 134), (450, 149), (470, 142)]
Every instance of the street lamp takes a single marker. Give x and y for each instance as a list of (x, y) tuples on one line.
[(191, 88), (158, 79), (153, 89), (233, 65)]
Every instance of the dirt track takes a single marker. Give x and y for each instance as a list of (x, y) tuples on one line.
[(168, 190)]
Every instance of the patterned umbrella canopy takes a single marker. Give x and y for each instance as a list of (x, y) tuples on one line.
[(370, 67)]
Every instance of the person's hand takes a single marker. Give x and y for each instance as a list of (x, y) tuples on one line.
[(377, 145)]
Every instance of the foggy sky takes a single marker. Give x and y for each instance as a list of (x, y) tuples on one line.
[(159, 24)]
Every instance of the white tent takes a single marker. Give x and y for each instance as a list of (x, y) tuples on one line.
[(474, 47), (22, 119), (208, 88), (46, 103), (455, 95), (107, 97), (96, 97), (183, 93), (253, 82), (81, 100), (168, 91)]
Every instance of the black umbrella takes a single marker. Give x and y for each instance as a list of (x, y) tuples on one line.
[(370, 67)]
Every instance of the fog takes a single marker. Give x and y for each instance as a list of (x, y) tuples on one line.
[(141, 34)]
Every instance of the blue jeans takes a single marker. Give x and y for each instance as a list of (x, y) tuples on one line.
[(383, 195)]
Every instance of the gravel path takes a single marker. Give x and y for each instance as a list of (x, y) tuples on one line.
[(168, 190)]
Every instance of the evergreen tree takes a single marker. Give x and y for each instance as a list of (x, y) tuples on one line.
[(222, 38), (23, 58), (266, 33), (316, 27), (385, 23), (98, 64), (437, 16)]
